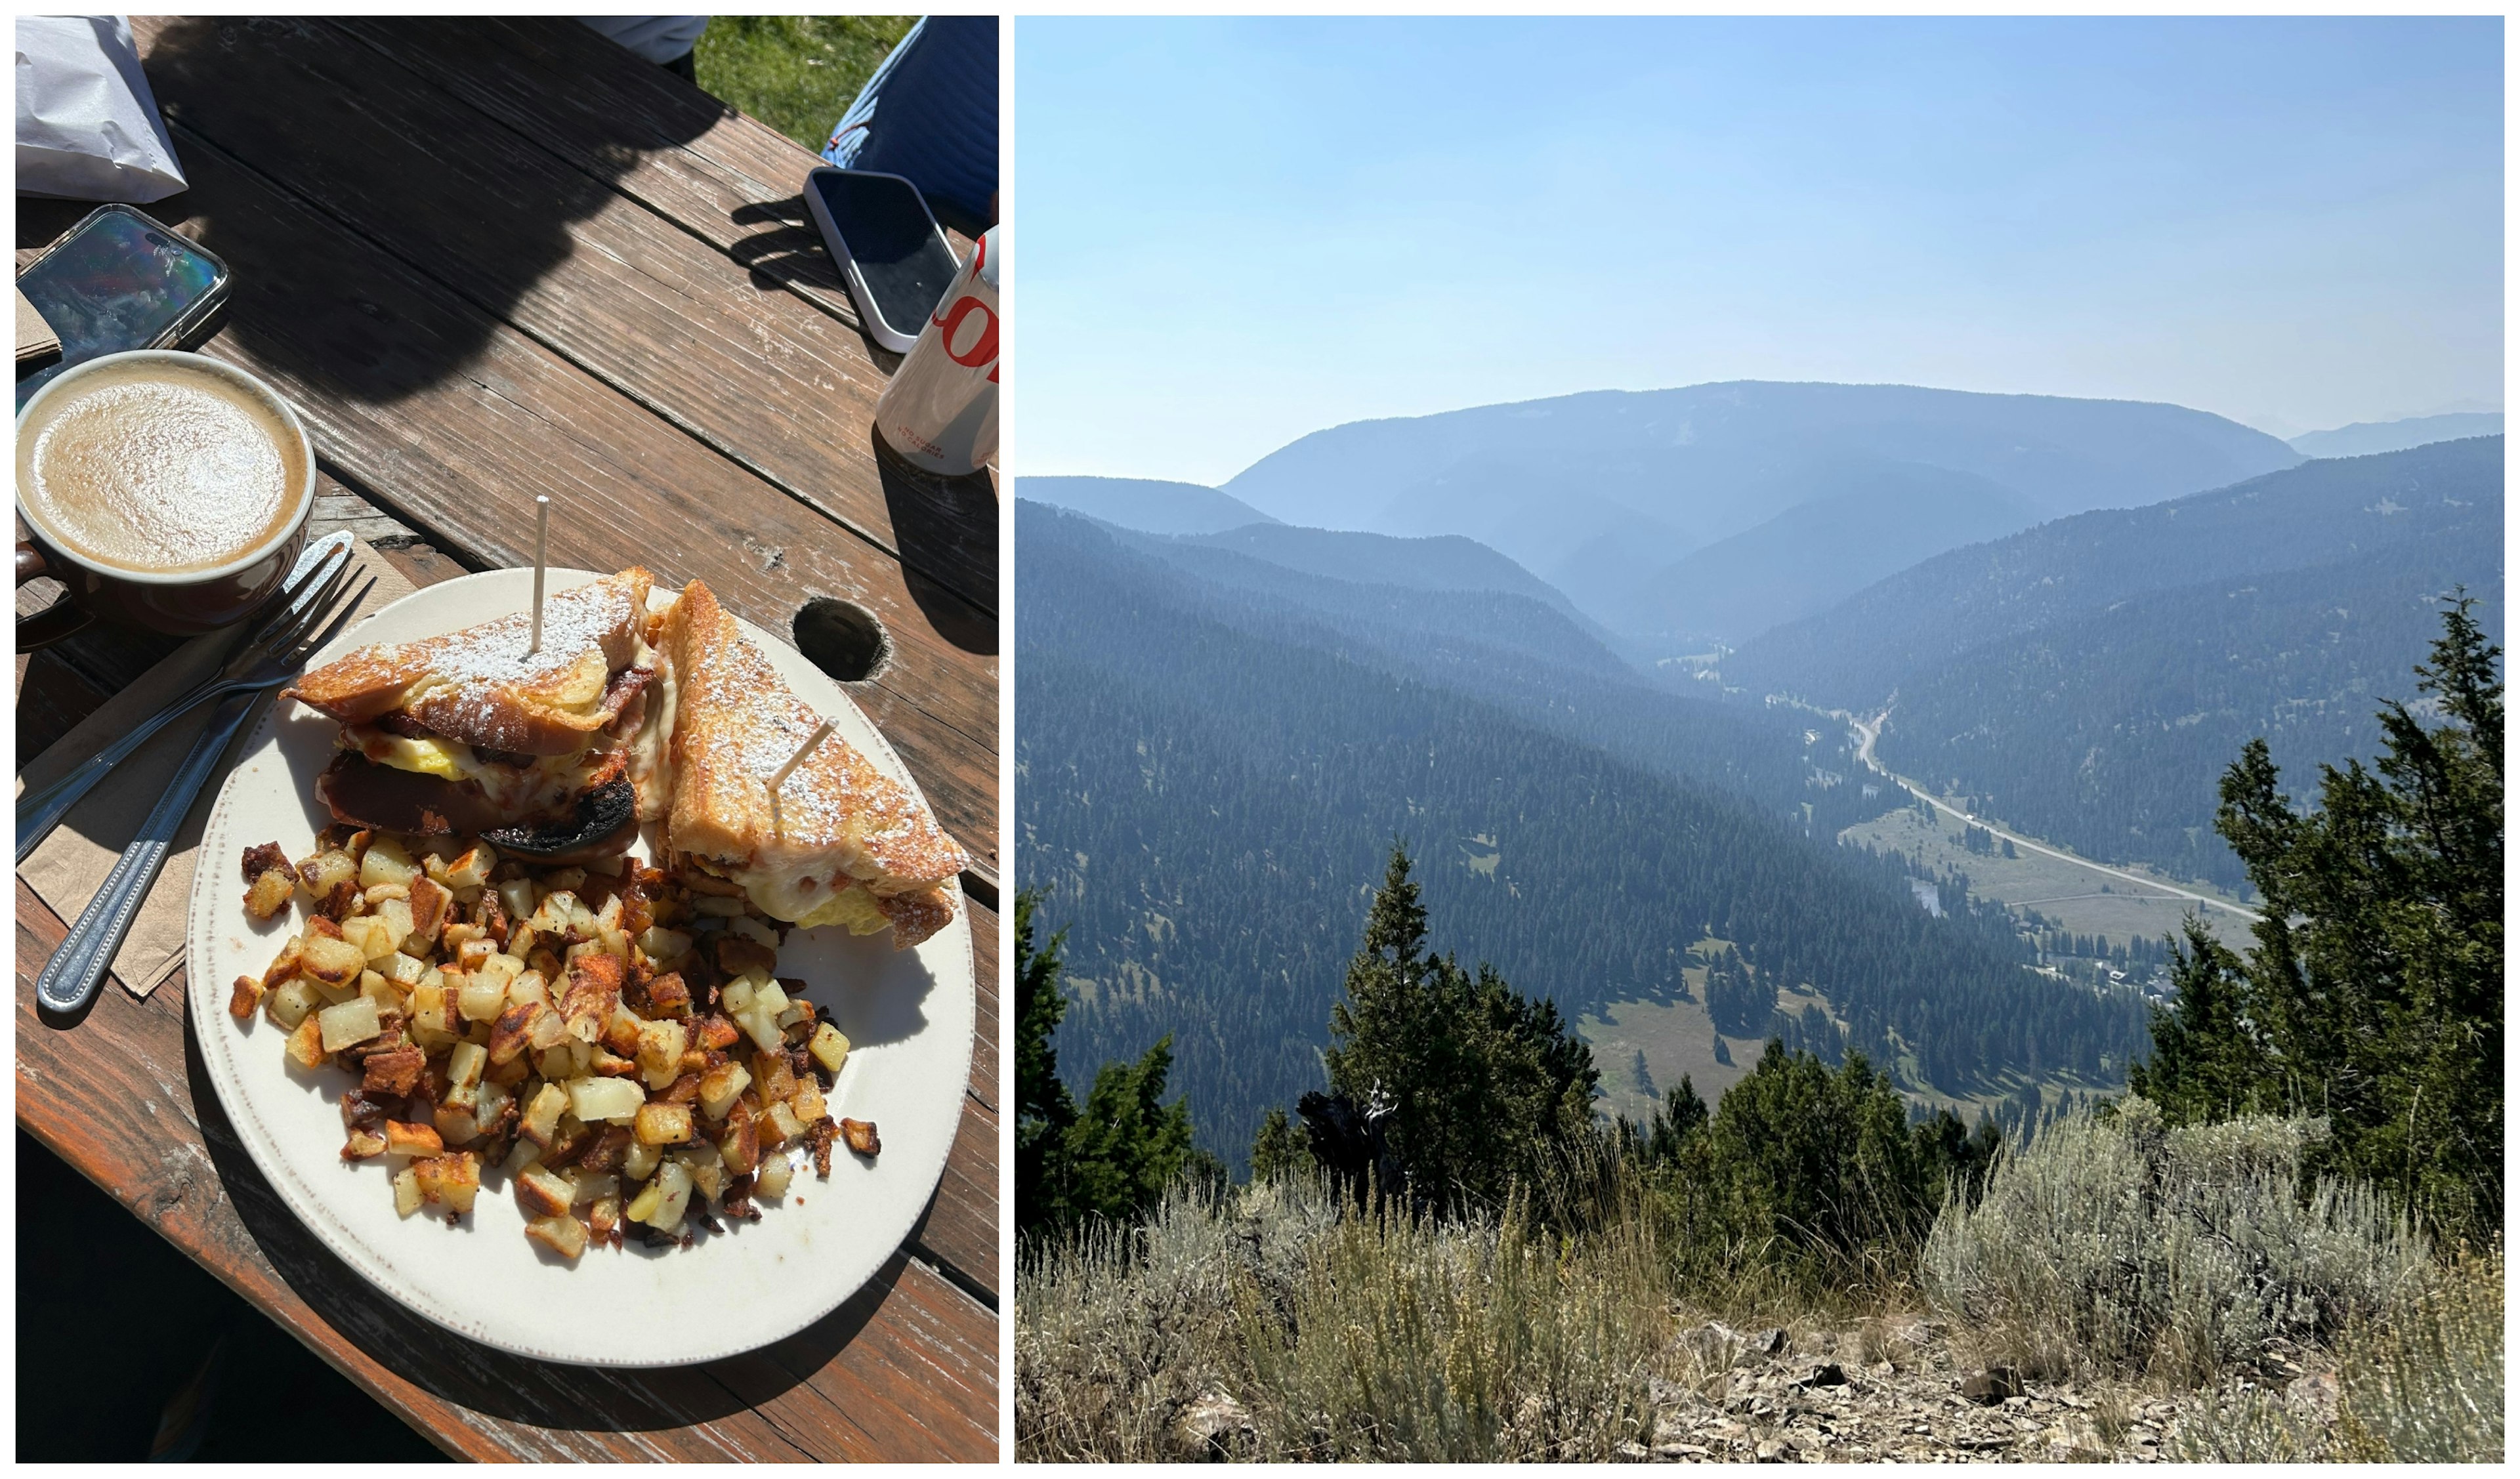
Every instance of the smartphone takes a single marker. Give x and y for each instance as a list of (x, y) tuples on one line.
[(889, 249), (121, 281)]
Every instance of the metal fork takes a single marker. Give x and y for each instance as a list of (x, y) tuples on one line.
[(266, 656), (86, 953)]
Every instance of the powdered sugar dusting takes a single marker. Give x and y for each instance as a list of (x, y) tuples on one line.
[(833, 802), (573, 621)]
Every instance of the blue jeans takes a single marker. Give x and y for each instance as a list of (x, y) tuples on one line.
[(930, 115)]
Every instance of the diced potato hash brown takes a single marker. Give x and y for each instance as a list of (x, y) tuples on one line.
[(618, 1045)]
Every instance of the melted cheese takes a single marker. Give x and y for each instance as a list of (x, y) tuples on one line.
[(433, 756), (808, 903), (547, 782), (652, 748), (852, 906)]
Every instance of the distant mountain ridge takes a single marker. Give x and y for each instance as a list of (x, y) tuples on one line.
[(2363, 438), (1602, 493), (1151, 505), (1432, 562)]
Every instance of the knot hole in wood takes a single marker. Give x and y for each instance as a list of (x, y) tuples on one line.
[(843, 639)]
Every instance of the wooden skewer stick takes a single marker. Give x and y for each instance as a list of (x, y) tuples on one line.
[(798, 758), (542, 542)]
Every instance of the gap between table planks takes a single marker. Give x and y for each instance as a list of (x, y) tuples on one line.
[(453, 418), (905, 1369)]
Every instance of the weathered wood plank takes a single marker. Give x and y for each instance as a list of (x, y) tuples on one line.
[(962, 1225), (729, 179), (986, 926), (454, 422), (907, 1368), (765, 378)]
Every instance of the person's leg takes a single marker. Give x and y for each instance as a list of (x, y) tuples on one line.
[(681, 66), (930, 114)]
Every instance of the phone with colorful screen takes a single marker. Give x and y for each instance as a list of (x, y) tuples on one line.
[(120, 281)]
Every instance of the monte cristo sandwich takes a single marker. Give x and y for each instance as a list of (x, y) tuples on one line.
[(551, 752), (839, 843)]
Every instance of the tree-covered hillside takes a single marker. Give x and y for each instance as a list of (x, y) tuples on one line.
[(2082, 680), (1209, 778)]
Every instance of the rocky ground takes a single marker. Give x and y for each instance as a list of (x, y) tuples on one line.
[(1899, 1391)]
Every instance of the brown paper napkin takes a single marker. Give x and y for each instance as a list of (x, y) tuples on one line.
[(67, 869)]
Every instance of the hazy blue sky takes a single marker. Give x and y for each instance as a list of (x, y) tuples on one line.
[(1229, 232)]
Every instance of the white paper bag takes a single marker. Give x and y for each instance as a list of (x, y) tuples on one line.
[(87, 124)]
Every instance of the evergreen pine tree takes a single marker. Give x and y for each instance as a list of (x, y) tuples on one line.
[(2374, 993), (1126, 1145), (1279, 1149), (1483, 1084), (1043, 1111), (1112, 1158), (1682, 1117)]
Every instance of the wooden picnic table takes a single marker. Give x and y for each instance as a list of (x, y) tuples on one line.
[(490, 260)]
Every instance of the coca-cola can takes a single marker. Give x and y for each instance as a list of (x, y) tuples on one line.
[(940, 412)]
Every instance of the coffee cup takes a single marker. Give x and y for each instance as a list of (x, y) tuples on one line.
[(168, 491)]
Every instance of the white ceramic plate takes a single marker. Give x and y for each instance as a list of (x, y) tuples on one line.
[(908, 1015)]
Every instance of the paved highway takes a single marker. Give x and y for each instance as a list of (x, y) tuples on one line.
[(1864, 751)]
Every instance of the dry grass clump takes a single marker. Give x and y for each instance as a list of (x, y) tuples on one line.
[(2126, 1246), (1118, 1328), (1266, 1326)]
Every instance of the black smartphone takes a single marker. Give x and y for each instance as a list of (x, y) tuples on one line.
[(889, 249), (121, 281)]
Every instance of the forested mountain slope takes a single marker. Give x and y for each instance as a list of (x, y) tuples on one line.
[(1430, 563), (1547, 667), (2088, 680), (1210, 776)]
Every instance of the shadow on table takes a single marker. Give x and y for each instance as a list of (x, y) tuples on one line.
[(945, 528), (99, 1396), (491, 1381), (794, 256), (367, 140)]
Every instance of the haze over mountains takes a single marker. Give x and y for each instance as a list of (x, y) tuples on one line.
[(1790, 496), (2075, 619), (1214, 751), (1154, 505), (1603, 493), (1950, 583), (2363, 438)]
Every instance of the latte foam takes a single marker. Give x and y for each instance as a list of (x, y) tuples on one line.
[(160, 468)]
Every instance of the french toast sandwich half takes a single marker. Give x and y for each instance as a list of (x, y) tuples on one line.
[(838, 842), (552, 750)]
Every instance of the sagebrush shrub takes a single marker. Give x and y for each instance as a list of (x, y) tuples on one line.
[(2423, 1384), (2178, 1251)]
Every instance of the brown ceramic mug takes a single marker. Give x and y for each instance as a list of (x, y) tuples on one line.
[(168, 491)]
